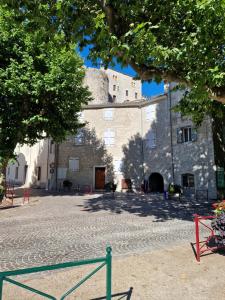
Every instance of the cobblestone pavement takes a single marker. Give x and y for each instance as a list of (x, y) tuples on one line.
[(57, 228)]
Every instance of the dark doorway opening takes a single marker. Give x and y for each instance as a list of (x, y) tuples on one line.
[(99, 178), (156, 183)]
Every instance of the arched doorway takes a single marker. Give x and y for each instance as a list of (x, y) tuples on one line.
[(156, 183)]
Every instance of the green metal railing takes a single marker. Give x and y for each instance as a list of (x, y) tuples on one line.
[(105, 261)]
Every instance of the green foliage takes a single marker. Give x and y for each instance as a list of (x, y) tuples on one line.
[(178, 41), (41, 79)]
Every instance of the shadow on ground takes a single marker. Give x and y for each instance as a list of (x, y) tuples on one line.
[(124, 295), (142, 205), (147, 205)]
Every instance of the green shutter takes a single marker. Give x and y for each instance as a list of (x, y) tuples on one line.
[(220, 177)]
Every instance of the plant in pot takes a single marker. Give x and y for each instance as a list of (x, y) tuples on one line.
[(218, 224), (110, 187), (67, 184)]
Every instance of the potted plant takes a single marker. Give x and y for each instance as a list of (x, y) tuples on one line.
[(218, 224), (67, 184), (110, 187)]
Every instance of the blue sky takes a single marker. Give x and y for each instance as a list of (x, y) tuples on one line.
[(148, 89)]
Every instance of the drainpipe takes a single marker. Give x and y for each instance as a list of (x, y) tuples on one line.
[(142, 148), (171, 129), (47, 170), (56, 165)]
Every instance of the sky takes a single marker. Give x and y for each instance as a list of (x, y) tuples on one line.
[(148, 89)]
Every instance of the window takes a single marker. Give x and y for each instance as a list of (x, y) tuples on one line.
[(108, 114), (38, 173), (8, 172), (109, 137), (126, 92), (151, 139), (118, 166), (188, 180), (114, 77), (81, 116), (114, 87), (136, 95), (16, 172), (79, 138), (186, 134), (150, 112), (118, 88), (114, 98), (74, 164), (132, 83)]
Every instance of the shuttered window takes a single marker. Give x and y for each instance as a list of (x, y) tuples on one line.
[(150, 112), (79, 138), (108, 114), (118, 166), (151, 139), (74, 164), (109, 137), (186, 134), (81, 116)]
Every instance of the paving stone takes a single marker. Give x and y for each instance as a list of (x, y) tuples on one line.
[(61, 228)]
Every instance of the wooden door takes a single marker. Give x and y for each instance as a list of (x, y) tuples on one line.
[(99, 178)]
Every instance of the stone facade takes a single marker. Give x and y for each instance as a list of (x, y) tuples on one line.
[(33, 165), (129, 137), (132, 140)]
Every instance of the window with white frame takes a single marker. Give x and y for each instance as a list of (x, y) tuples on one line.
[(151, 139), (108, 114), (79, 137), (150, 112), (74, 164), (109, 137), (186, 134), (81, 116), (118, 166)]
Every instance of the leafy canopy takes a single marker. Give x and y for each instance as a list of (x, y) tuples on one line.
[(41, 88), (178, 41)]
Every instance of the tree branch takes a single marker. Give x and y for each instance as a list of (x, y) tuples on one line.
[(149, 72), (110, 14)]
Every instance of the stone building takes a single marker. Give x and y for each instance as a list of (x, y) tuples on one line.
[(130, 139)]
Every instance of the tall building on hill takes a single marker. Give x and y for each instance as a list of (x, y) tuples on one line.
[(129, 140)]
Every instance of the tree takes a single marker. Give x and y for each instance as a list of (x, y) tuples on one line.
[(41, 90), (178, 41)]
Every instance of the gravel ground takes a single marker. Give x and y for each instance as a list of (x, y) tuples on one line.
[(157, 275), (150, 238)]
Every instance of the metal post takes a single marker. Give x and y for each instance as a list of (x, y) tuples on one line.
[(197, 237), (1, 287), (108, 273)]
